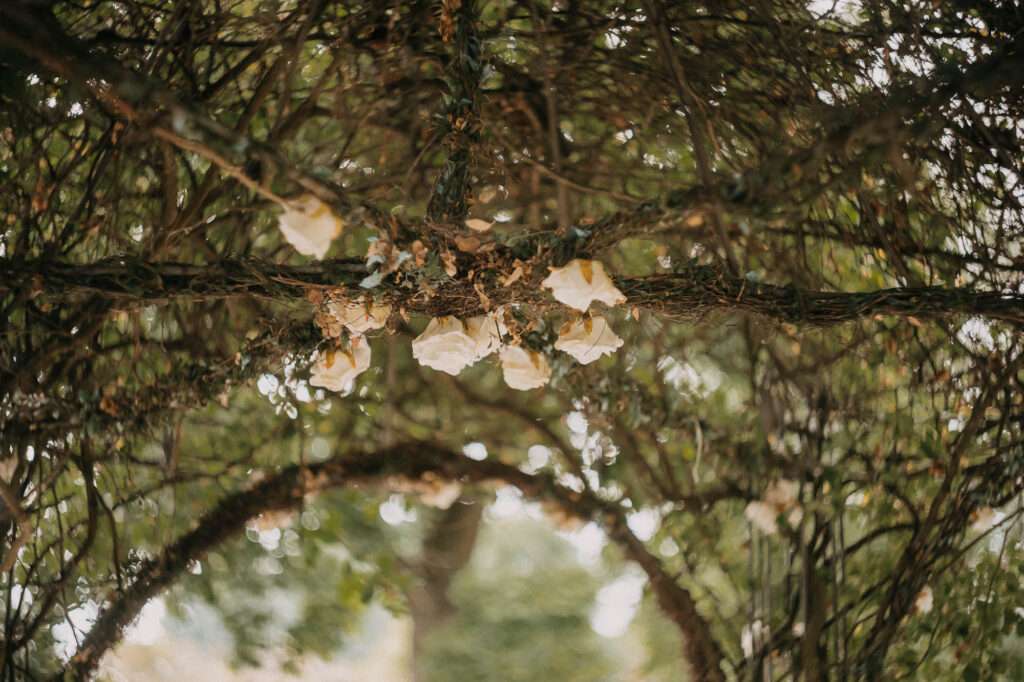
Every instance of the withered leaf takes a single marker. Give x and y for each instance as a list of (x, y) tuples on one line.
[(448, 258), (478, 225)]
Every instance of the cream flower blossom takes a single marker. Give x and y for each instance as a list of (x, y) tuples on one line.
[(982, 519), (360, 315), (336, 369), (309, 225), (524, 369), (924, 601), (486, 331), (588, 339), (580, 282), (445, 345)]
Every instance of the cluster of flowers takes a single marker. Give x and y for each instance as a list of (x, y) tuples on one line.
[(336, 368), (449, 344)]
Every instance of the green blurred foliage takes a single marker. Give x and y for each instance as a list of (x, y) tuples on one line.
[(523, 614)]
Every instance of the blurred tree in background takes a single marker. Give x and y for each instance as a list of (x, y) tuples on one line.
[(526, 605), (809, 442)]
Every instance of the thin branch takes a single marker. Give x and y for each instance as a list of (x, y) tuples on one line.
[(13, 504), (696, 122)]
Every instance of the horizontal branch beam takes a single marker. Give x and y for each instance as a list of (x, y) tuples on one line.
[(286, 489), (133, 279), (694, 292), (704, 290)]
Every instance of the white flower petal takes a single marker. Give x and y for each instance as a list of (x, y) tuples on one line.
[(580, 282), (588, 339), (485, 330), (309, 225), (336, 369), (360, 315), (445, 345), (523, 369)]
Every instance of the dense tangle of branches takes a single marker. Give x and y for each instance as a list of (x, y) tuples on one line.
[(817, 199)]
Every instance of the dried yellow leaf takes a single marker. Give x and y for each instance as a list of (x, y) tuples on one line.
[(449, 263), (478, 225), (485, 301), (512, 277)]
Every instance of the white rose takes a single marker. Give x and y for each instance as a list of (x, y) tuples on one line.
[(524, 369), (360, 315), (336, 369), (445, 345), (309, 225), (925, 601), (486, 331), (580, 282), (588, 339)]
